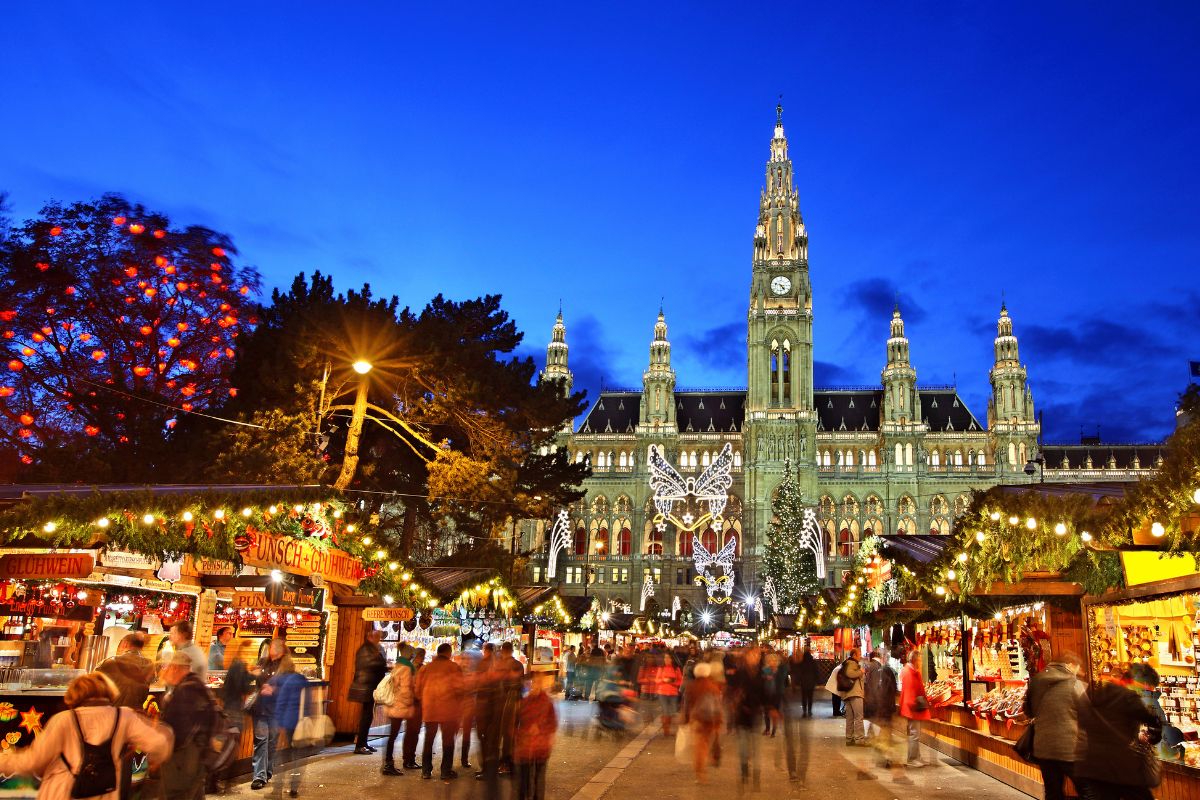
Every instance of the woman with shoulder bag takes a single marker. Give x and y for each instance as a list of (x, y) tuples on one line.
[(914, 705), (69, 754), (401, 706)]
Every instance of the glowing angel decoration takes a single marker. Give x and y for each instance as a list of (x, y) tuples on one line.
[(770, 594), (560, 535), (719, 587)]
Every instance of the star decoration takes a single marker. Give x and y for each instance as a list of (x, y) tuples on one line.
[(31, 720), (662, 527), (717, 525), (688, 519)]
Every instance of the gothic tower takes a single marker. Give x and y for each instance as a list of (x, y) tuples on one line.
[(781, 422), (901, 425), (1011, 419), (556, 357), (658, 385)]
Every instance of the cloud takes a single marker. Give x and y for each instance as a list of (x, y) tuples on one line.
[(590, 357), (722, 347), (874, 298)]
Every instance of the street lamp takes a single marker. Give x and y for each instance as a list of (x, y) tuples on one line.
[(354, 432)]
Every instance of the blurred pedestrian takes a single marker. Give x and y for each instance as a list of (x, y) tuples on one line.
[(851, 677), (879, 704), (216, 650), (803, 669), (402, 709), (236, 686), (1050, 701), (262, 711), (130, 671), (188, 711), (747, 692), (568, 665), (370, 665), (508, 676), (440, 687), (287, 687), (536, 724), (774, 677), (914, 705), (412, 731), (703, 713), (467, 663), (181, 642), (1114, 727), (56, 754)]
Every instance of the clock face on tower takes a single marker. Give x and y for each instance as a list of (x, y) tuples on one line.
[(781, 285)]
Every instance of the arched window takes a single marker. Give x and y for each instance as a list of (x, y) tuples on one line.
[(958, 462), (1012, 454), (709, 540), (737, 459), (1024, 455), (601, 541), (729, 533), (654, 542), (692, 459), (935, 458), (581, 542), (899, 454), (684, 543), (624, 462), (871, 459), (624, 542), (908, 454), (704, 459), (848, 541), (982, 458)]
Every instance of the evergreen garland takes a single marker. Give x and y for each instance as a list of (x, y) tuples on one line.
[(792, 567)]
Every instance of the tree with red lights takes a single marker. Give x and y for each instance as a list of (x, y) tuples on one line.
[(113, 323)]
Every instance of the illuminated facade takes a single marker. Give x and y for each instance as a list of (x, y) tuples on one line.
[(897, 457)]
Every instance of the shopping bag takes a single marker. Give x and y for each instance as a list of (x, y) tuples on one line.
[(683, 744)]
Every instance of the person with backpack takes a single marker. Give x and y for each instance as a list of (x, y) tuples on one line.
[(703, 711), (850, 687), (78, 751), (190, 710)]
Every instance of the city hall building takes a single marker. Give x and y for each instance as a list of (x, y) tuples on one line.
[(895, 458)]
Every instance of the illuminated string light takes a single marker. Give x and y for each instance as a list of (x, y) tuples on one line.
[(1060, 529), (148, 519), (102, 522), (187, 516), (1157, 530)]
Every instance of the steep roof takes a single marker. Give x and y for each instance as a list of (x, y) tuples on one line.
[(1125, 456), (724, 411)]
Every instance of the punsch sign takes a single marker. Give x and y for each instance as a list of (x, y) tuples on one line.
[(299, 557)]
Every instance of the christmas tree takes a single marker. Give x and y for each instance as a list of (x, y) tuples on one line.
[(790, 566)]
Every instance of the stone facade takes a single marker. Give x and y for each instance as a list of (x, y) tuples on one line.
[(897, 457)]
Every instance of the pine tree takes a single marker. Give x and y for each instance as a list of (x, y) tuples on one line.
[(792, 567)]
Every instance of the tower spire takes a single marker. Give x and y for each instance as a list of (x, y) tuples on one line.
[(556, 355), (1011, 416), (901, 402), (658, 382)]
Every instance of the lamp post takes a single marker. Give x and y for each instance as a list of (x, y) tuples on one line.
[(1040, 461), (354, 432)]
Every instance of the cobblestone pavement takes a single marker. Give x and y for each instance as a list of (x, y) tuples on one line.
[(588, 764)]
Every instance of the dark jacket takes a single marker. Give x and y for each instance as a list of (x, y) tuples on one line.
[(235, 688), (440, 687), (879, 691), (369, 668), (1109, 719), (132, 673), (264, 705), (186, 709), (748, 697), (288, 690), (1050, 700), (804, 672)]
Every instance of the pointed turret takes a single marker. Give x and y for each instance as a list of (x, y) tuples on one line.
[(1011, 416), (556, 356), (780, 234), (901, 402), (658, 382)]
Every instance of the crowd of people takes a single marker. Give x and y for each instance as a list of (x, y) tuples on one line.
[(1101, 737)]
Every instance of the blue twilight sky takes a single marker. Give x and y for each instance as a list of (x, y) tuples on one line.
[(612, 156)]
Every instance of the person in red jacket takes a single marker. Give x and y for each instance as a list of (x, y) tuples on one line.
[(914, 705), (536, 725)]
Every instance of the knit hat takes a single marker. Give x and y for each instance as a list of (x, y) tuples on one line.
[(702, 670)]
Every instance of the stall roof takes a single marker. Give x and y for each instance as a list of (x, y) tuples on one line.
[(618, 621), (528, 597), (921, 548), (16, 492), (448, 581), (576, 605), (1099, 492)]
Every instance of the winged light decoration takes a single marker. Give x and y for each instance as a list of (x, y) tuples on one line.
[(647, 590), (560, 535), (719, 587), (810, 538)]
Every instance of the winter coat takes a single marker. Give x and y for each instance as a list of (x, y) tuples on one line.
[(536, 725), (854, 671), (804, 671), (748, 698), (696, 692), (403, 706), (132, 673), (41, 759), (1109, 718), (666, 680), (288, 690), (912, 686), (440, 689), (879, 691), (370, 666), (186, 708), (1050, 701)]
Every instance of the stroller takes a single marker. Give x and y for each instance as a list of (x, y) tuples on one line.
[(615, 697)]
